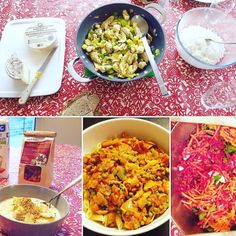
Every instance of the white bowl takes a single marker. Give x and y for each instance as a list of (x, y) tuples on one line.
[(15, 228), (134, 127)]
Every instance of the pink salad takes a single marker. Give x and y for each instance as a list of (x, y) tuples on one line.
[(207, 177)]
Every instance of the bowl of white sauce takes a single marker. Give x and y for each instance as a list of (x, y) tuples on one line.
[(193, 31), (23, 211)]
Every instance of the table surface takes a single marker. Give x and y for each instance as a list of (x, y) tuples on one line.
[(67, 166), (141, 97)]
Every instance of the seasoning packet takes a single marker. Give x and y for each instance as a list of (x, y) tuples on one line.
[(4, 149), (37, 156)]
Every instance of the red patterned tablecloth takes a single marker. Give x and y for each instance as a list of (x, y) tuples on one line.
[(142, 97), (67, 166), (174, 231)]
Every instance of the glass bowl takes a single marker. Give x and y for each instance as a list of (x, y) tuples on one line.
[(218, 22)]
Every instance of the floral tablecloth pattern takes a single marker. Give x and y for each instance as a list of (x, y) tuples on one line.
[(142, 97), (174, 231), (67, 166)]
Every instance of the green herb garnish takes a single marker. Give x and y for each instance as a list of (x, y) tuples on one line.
[(212, 208), (202, 215), (230, 149), (216, 178)]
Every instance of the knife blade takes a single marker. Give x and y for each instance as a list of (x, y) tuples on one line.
[(38, 74)]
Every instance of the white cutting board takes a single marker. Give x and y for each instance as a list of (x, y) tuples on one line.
[(13, 42)]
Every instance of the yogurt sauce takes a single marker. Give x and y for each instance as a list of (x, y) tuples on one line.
[(28, 210)]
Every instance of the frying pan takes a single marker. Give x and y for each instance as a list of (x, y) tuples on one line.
[(102, 13)]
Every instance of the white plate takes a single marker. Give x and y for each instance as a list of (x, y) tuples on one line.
[(13, 42), (210, 1)]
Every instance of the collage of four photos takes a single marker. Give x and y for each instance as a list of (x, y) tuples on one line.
[(117, 117)]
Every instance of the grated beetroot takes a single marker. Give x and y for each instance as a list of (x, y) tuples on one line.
[(208, 176)]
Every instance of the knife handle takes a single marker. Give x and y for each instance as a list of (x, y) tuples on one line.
[(26, 93)]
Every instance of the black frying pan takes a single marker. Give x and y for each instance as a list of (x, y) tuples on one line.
[(102, 13)]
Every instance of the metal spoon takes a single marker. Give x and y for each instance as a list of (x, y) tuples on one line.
[(143, 27), (212, 40), (71, 184)]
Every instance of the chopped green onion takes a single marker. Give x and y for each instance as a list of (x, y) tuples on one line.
[(202, 215), (216, 178), (230, 149)]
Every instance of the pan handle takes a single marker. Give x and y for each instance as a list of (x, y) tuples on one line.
[(74, 74), (158, 8)]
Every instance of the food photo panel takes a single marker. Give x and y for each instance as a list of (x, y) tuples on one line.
[(126, 176), (203, 162), (40, 176), (117, 57)]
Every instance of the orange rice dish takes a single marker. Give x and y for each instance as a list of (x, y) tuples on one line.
[(126, 183)]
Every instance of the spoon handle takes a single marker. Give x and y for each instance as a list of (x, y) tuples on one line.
[(156, 71), (71, 184), (222, 42)]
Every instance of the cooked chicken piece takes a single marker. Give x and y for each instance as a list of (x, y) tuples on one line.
[(109, 34), (127, 32), (144, 56), (121, 47), (132, 68), (142, 64), (98, 31), (103, 51), (97, 26), (95, 36), (123, 68), (126, 56), (125, 15), (140, 49), (108, 47), (122, 37), (133, 49), (102, 68), (115, 57), (89, 48), (94, 56), (116, 27), (107, 22), (130, 57), (115, 67)]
